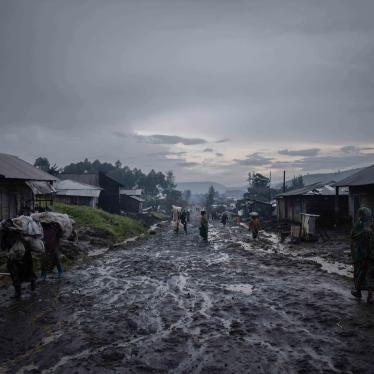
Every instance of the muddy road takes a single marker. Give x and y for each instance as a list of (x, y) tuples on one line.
[(174, 304)]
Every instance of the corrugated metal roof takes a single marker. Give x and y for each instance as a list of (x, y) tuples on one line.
[(12, 167), (72, 188), (362, 178), (137, 198), (40, 187), (90, 179), (135, 192), (315, 189)]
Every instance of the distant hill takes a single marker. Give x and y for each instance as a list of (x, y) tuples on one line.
[(198, 188), (323, 177)]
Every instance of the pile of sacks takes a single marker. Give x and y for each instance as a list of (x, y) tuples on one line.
[(31, 230)]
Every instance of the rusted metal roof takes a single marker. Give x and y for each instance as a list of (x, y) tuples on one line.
[(41, 187), (364, 177), (12, 167)]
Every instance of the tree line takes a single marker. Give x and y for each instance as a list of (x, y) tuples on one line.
[(159, 188)]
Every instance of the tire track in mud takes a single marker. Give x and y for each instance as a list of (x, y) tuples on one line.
[(174, 304)]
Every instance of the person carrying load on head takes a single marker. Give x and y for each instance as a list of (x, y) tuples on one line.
[(20, 262)]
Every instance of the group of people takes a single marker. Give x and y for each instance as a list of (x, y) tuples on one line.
[(21, 245), (254, 224)]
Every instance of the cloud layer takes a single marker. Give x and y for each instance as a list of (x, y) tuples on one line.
[(268, 84)]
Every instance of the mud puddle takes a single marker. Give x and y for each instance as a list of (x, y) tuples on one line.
[(175, 304)]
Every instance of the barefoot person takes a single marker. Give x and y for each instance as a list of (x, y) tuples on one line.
[(204, 226), (362, 254)]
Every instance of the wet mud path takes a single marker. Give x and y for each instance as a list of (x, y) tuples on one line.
[(174, 304)]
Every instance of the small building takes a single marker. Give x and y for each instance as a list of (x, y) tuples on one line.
[(315, 199), (131, 201), (361, 190), (23, 187), (74, 193), (109, 199)]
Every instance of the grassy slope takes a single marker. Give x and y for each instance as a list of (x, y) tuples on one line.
[(118, 227)]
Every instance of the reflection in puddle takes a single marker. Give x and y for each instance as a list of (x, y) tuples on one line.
[(244, 288)]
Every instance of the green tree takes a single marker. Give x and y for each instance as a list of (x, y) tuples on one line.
[(210, 198), (42, 163), (258, 187), (297, 182)]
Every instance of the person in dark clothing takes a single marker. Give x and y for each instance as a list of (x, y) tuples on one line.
[(183, 219), (224, 219), (204, 226), (52, 235), (20, 263)]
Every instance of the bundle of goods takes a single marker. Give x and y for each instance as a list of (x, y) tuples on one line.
[(63, 220)]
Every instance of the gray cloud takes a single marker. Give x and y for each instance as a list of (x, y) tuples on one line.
[(73, 70), (169, 140), (254, 159), (225, 140), (326, 162), (187, 164), (218, 154), (309, 152), (208, 150)]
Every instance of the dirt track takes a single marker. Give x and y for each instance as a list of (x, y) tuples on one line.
[(175, 304)]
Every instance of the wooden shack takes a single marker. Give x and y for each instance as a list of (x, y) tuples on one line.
[(131, 201), (109, 199), (317, 199), (75, 193), (23, 187), (361, 190)]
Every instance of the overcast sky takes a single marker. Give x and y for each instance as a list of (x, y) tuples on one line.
[(210, 89)]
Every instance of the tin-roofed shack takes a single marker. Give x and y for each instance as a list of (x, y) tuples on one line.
[(361, 190), (317, 199), (109, 199), (23, 186), (74, 193), (131, 200)]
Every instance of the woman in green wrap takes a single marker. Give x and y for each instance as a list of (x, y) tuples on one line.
[(363, 254)]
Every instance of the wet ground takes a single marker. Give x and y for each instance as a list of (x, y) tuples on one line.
[(174, 304)]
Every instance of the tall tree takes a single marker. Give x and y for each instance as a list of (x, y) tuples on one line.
[(297, 182), (258, 187), (210, 198), (42, 163)]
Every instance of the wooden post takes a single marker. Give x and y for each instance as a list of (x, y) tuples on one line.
[(337, 212), (284, 180)]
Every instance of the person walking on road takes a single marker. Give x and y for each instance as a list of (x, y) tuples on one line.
[(52, 235), (254, 225), (362, 250), (204, 226), (183, 219), (224, 219)]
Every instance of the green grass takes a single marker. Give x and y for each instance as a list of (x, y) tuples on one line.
[(118, 227)]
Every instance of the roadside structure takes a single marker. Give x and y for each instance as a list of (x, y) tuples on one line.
[(131, 201), (361, 190), (23, 187), (109, 199), (316, 199), (74, 193)]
